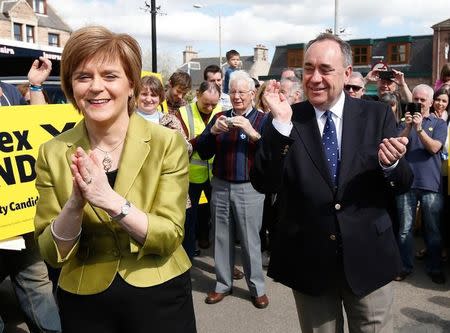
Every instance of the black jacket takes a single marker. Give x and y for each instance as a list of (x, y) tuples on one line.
[(324, 232)]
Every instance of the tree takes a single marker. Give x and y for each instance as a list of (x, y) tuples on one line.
[(166, 63)]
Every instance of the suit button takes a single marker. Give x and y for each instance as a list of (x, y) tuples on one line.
[(333, 237), (337, 206), (115, 253)]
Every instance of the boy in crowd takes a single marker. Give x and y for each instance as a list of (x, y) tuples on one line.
[(179, 85), (233, 60)]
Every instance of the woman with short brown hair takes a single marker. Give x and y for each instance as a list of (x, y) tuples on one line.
[(112, 199)]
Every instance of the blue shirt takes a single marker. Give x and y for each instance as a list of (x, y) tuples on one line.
[(11, 95), (226, 79), (426, 167)]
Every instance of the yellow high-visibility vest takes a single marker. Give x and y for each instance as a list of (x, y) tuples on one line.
[(199, 170)]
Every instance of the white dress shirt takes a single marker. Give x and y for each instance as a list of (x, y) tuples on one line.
[(337, 111)]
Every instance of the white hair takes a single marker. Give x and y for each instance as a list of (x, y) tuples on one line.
[(240, 75), (357, 75), (426, 88)]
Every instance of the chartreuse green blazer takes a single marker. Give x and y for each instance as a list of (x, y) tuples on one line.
[(153, 176)]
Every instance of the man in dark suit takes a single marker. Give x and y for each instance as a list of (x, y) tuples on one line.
[(335, 244)]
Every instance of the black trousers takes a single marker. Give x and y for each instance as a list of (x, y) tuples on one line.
[(167, 307)]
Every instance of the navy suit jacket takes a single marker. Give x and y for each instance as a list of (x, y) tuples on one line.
[(324, 233)]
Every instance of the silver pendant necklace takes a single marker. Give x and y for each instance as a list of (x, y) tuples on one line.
[(107, 160)]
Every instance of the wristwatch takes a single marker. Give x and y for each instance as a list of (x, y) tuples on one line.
[(419, 130), (123, 212)]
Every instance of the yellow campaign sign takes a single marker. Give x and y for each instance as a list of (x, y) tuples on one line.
[(22, 130)]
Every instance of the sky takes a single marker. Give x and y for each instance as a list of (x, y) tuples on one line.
[(246, 23)]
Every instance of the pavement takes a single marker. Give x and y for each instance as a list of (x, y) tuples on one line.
[(419, 304)]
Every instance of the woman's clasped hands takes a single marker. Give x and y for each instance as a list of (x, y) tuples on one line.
[(90, 183)]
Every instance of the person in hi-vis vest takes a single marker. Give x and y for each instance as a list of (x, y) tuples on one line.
[(194, 118)]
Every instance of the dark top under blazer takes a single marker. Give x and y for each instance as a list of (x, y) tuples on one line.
[(315, 218)]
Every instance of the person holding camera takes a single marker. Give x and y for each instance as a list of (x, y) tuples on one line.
[(231, 137), (390, 80), (426, 136)]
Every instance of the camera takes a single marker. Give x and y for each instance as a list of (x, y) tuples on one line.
[(229, 121), (413, 108), (386, 75)]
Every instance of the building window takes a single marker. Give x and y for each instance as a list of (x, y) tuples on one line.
[(295, 58), (18, 31), (398, 53), (30, 33), (361, 54), (40, 6), (53, 39)]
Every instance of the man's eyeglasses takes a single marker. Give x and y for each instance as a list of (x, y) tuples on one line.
[(240, 93), (347, 87)]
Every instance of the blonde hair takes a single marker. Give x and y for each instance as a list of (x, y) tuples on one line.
[(97, 42), (259, 103)]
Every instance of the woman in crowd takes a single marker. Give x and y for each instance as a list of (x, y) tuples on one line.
[(441, 107), (444, 77), (259, 102), (112, 199), (441, 103), (150, 98)]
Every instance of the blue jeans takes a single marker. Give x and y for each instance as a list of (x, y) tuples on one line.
[(33, 289), (431, 204)]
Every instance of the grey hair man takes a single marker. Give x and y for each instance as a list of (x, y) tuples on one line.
[(320, 156), (288, 73), (355, 86), (427, 135), (231, 137), (291, 88)]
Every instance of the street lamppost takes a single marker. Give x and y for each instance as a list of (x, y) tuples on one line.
[(198, 6), (153, 10)]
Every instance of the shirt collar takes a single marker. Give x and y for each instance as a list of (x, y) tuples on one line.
[(337, 109), (234, 114)]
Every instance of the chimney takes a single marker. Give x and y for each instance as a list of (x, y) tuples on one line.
[(189, 54), (260, 53)]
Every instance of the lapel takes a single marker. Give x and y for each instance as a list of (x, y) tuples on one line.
[(352, 131), (79, 138), (305, 124), (134, 154)]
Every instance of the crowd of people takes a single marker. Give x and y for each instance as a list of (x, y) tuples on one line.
[(308, 167)]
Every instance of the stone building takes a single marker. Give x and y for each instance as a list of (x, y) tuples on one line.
[(441, 47), (256, 65), (29, 29), (419, 57)]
